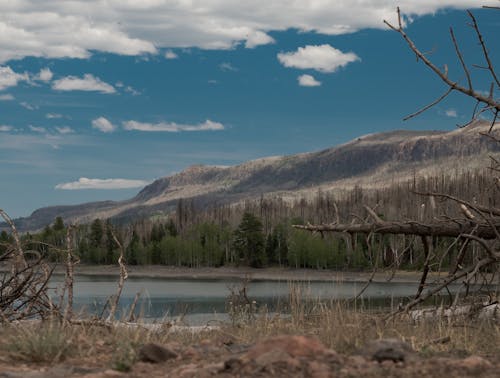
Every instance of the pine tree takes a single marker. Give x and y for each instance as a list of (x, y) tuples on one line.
[(249, 241)]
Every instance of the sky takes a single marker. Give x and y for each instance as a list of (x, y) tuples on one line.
[(99, 98)]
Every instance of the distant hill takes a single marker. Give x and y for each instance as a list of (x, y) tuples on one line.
[(371, 161)]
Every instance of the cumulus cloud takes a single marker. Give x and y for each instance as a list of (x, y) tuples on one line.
[(45, 75), (89, 183), (37, 129), (9, 78), (6, 97), (5, 128), (323, 58), (102, 124), (308, 81), (88, 83), (65, 130), (172, 127), (57, 29), (169, 54), (451, 113), (53, 115), (258, 38)]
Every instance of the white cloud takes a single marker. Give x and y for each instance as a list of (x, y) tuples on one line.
[(132, 91), (323, 58), (65, 130), (40, 141), (257, 38), (28, 106), (451, 113), (45, 75), (103, 125), (5, 128), (172, 127), (308, 81), (9, 78), (88, 83), (169, 54), (53, 116), (226, 66), (57, 29), (38, 129), (6, 97), (88, 183)]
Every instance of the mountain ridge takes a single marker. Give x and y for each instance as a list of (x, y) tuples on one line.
[(365, 160)]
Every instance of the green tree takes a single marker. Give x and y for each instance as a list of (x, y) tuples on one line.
[(58, 224), (96, 233), (249, 241)]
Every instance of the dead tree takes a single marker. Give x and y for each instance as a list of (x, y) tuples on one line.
[(24, 289), (479, 224)]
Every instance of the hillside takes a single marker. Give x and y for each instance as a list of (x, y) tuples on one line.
[(371, 161)]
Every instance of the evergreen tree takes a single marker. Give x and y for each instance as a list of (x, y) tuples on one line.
[(249, 241), (58, 224)]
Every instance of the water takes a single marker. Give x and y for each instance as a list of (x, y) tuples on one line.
[(205, 300)]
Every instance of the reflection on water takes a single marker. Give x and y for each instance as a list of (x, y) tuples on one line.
[(204, 300)]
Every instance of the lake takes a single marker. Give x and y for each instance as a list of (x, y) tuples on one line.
[(205, 300)]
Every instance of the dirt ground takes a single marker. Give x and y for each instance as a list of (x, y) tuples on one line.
[(279, 356), (278, 274)]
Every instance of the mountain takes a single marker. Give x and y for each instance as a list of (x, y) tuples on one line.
[(372, 160)]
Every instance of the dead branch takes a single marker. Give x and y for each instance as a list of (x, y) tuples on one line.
[(71, 261), (24, 288), (19, 254), (450, 229), (485, 50), (123, 276), (488, 100), (450, 279)]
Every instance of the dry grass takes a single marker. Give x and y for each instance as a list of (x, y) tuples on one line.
[(337, 324), (346, 327)]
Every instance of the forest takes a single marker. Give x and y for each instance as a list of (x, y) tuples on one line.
[(260, 233)]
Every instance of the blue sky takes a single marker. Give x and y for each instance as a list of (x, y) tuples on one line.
[(99, 98)]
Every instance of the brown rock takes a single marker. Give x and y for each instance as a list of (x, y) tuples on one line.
[(284, 356), (155, 353), (475, 364), (394, 350), (295, 346), (274, 356), (319, 370)]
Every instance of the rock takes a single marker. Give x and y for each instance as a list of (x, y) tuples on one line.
[(319, 370), (394, 350), (294, 346), (284, 356), (274, 356), (110, 373), (155, 353), (475, 364)]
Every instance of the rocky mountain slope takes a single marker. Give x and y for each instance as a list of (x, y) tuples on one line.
[(372, 160)]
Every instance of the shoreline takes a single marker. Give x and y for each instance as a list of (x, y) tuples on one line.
[(239, 273)]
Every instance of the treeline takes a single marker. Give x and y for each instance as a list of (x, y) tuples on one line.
[(260, 233)]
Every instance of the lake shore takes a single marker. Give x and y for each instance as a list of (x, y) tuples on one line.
[(227, 273)]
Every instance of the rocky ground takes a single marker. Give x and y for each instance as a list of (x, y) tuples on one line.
[(278, 356)]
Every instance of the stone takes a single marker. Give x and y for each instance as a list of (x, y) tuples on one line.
[(295, 346), (155, 353), (282, 356), (394, 350), (272, 357), (475, 363)]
